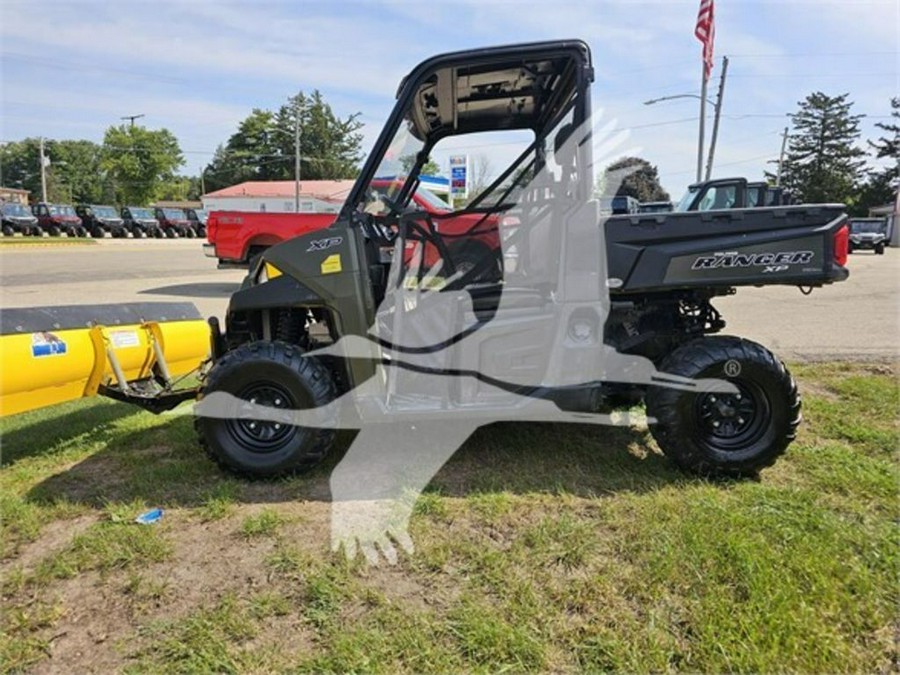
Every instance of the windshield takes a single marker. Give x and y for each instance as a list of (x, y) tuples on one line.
[(201, 215), (392, 172), (868, 226), (15, 210), (140, 213), (174, 214), (753, 196), (688, 199), (104, 212), (61, 210)]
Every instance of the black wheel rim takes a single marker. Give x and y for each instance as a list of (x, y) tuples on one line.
[(263, 436), (731, 422)]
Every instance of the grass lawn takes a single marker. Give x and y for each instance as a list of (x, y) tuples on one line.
[(538, 547)]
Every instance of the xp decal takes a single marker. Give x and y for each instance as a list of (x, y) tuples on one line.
[(322, 244)]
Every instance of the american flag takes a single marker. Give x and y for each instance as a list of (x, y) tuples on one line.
[(706, 33)]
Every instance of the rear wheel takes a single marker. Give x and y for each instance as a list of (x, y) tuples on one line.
[(98, 232), (37, 231), (723, 434), (54, 231), (171, 233), (8, 231), (201, 231), (137, 232), (81, 231), (275, 375), (189, 232)]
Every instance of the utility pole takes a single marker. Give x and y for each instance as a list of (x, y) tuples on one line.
[(781, 157), (297, 159), (132, 118), (702, 126), (718, 114), (43, 161)]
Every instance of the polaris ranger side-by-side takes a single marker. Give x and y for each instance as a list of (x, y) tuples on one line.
[(868, 233), (58, 219), (140, 222), (173, 222), (17, 218), (99, 219), (597, 309)]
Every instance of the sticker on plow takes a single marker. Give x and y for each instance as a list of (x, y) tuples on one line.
[(47, 344), (331, 264), (124, 338)]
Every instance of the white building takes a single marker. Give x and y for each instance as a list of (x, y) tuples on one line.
[(277, 196), (316, 196)]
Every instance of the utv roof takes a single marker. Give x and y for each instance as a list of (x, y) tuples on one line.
[(509, 87)]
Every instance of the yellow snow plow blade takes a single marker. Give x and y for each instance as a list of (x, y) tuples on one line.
[(49, 355)]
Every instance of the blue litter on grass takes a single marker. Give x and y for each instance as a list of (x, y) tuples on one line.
[(150, 517)]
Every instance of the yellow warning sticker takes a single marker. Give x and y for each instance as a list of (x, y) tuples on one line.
[(331, 264)]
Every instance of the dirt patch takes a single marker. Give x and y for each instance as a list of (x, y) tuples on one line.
[(54, 537), (102, 615)]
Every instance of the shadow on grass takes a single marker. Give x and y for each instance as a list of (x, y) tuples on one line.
[(164, 466), (28, 439)]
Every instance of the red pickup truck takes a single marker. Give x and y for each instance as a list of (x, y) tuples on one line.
[(234, 237)]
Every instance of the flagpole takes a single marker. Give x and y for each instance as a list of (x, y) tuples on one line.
[(702, 123)]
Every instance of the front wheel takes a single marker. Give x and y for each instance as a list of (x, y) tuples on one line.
[(729, 434), (8, 231), (879, 249), (54, 231), (274, 375), (171, 233)]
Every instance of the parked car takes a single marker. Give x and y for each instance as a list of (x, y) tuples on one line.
[(733, 193), (655, 207), (100, 219), (236, 237), (868, 233), (620, 205), (198, 218), (18, 218), (140, 222), (173, 222), (57, 219)]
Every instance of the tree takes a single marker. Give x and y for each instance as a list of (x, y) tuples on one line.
[(430, 168), (823, 163), (73, 173), (640, 179), (20, 165), (263, 148), (139, 161), (889, 146)]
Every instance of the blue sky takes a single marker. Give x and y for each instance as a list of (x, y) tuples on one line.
[(70, 69)]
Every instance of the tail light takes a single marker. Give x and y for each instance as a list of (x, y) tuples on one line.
[(841, 240)]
